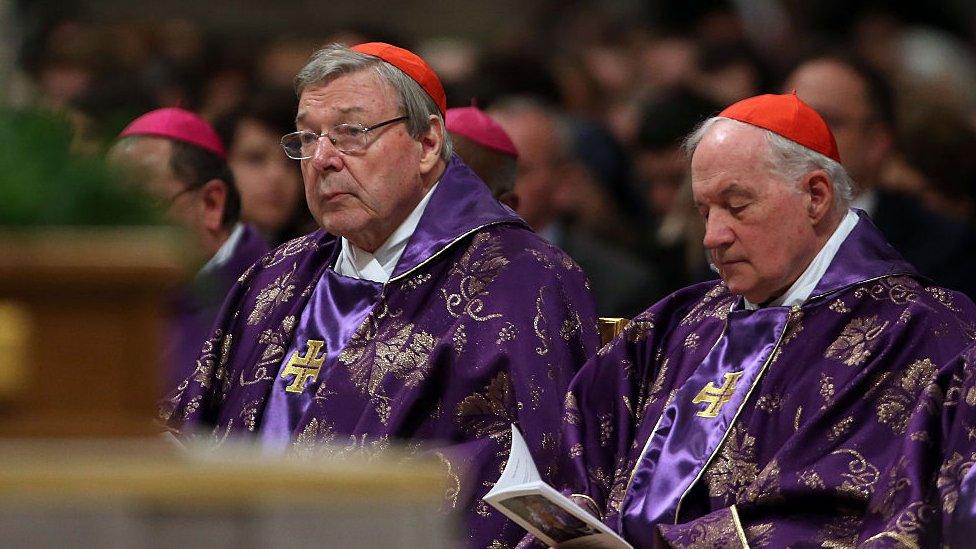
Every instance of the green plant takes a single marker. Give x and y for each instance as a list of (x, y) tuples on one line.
[(43, 182)]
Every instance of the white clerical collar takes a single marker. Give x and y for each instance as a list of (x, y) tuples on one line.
[(225, 251), (801, 289), (379, 265)]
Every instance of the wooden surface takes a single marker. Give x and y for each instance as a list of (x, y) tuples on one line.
[(83, 316)]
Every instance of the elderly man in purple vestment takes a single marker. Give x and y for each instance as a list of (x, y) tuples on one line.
[(423, 310), (179, 158), (817, 395)]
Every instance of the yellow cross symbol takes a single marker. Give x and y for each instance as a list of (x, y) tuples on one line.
[(304, 367), (716, 397)]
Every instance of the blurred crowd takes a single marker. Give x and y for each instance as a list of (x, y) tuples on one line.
[(597, 103)]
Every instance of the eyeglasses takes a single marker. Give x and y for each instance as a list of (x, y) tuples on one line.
[(347, 138)]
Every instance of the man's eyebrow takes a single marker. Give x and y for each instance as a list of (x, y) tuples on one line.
[(736, 190), (342, 110)]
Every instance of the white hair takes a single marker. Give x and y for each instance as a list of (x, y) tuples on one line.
[(336, 60), (789, 159)]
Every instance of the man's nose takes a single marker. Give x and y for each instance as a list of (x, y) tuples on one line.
[(718, 233), (326, 155)]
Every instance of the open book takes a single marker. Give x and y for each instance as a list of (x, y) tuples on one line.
[(524, 497)]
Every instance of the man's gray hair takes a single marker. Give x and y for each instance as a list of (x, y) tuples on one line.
[(336, 60), (789, 159)]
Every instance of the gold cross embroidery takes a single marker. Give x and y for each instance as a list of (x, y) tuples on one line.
[(716, 397), (304, 367)]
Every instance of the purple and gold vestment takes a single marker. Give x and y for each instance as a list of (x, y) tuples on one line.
[(846, 421), (482, 324)]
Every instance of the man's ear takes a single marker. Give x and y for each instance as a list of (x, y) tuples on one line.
[(213, 197), (431, 142), (819, 190)]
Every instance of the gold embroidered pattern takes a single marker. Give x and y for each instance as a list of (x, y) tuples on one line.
[(769, 403), (386, 345), (480, 265), (249, 413), (906, 527), (716, 529), (570, 327), (415, 282), (858, 340), (274, 294), (838, 306), (691, 341), (639, 328), (951, 473), (734, 468), (861, 475), (841, 532), (840, 429), (898, 487), (796, 418), (538, 325), (490, 413), (649, 395), (895, 406), (571, 413), (576, 450), (826, 389), (760, 534), (709, 306), (507, 333), (290, 249), (899, 290), (460, 338), (765, 489), (793, 329), (811, 479), (606, 428), (202, 374), (943, 296)]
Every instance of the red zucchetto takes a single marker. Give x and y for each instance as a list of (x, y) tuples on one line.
[(786, 115), (412, 65)]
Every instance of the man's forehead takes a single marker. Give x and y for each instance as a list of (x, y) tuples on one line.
[(356, 93)]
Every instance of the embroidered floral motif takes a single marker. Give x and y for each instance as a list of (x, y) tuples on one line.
[(507, 333), (249, 413), (898, 488), (290, 249), (571, 413), (460, 338), (838, 306), (897, 402), (710, 306), (841, 532), (900, 290), (274, 294), (606, 428), (692, 341), (765, 489), (734, 467), (811, 479), (856, 343), (384, 345), (826, 389), (943, 296), (861, 475), (950, 477), (480, 265), (717, 530), (570, 327), (415, 282), (203, 373), (491, 412), (769, 403)]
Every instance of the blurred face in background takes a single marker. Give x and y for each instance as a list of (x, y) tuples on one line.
[(839, 95), (269, 183), (534, 135)]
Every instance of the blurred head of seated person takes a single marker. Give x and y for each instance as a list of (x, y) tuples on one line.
[(270, 183), (420, 299), (178, 157), (487, 149), (820, 352), (859, 105)]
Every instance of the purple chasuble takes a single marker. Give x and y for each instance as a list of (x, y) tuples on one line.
[(852, 423), (482, 324), (195, 306)]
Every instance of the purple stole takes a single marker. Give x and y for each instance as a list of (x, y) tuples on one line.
[(699, 417), (337, 307)]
